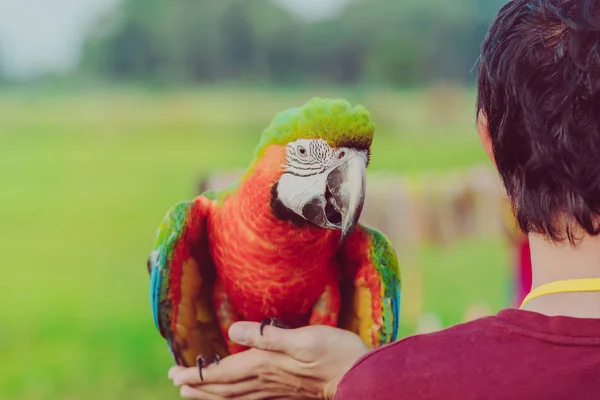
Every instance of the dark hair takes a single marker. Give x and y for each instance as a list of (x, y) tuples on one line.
[(539, 88)]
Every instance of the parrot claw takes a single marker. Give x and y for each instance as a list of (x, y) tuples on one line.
[(272, 322), (202, 362)]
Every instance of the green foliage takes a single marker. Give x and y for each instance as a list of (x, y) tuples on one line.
[(400, 43)]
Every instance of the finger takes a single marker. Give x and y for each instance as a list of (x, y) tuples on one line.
[(201, 393), (188, 392), (233, 368), (272, 338), (273, 382), (174, 370), (237, 389)]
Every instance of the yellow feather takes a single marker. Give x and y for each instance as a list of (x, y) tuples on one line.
[(357, 314), (195, 310)]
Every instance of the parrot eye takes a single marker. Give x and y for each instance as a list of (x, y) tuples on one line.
[(301, 151), (342, 154)]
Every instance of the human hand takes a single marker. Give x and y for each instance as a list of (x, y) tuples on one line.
[(303, 363)]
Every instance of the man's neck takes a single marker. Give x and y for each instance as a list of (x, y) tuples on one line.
[(553, 262)]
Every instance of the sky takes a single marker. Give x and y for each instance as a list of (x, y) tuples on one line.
[(39, 36)]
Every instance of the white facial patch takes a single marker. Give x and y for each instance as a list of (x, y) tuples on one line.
[(296, 191), (308, 156), (309, 162)]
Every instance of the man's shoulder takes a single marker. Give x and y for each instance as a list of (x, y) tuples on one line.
[(482, 359), (411, 364), (421, 358), (453, 339)]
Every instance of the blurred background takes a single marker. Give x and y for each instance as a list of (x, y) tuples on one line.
[(111, 111)]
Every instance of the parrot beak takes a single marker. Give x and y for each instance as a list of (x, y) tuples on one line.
[(347, 186)]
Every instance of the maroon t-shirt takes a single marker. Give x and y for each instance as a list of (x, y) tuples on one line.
[(515, 354)]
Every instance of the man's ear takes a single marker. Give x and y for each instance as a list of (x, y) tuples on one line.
[(484, 136)]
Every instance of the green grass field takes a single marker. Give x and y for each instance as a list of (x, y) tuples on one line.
[(85, 180)]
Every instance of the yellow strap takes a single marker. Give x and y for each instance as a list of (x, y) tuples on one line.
[(571, 285)]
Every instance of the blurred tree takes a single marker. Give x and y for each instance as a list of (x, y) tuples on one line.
[(2, 71), (372, 41)]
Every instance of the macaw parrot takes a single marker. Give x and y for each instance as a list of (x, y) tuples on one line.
[(282, 246)]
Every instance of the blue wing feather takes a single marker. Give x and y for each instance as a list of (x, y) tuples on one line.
[(167, 236), (157, 262), (396, 309)]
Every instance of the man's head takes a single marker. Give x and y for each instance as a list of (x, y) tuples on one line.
[(539, 112)]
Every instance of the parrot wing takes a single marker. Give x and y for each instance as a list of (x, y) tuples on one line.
[(182, 277), (371, 288)]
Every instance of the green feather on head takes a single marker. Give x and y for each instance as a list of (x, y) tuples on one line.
[(336, 121)]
